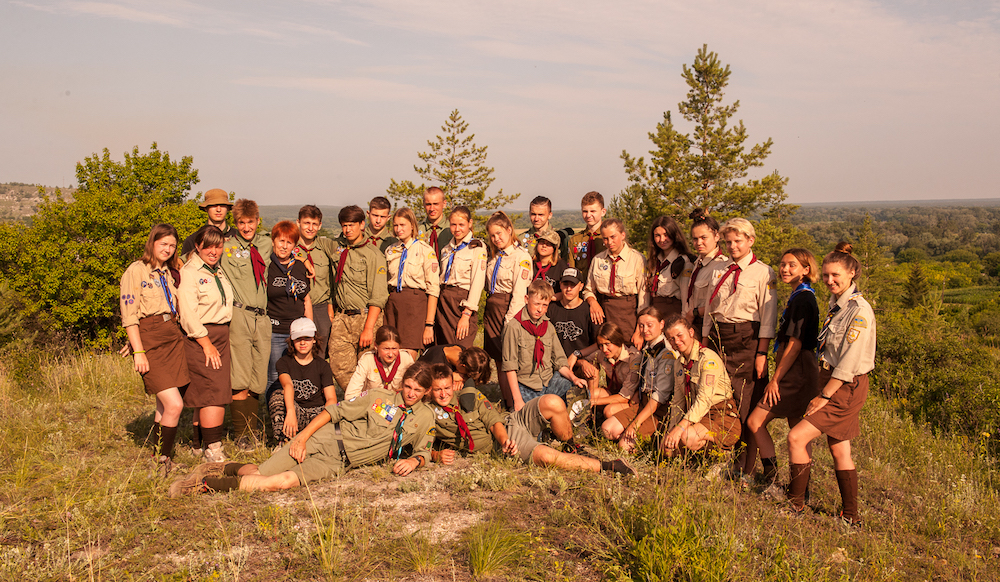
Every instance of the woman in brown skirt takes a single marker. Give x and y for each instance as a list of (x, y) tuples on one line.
[(793, 384), (206, 308), (414, 285), (149, 315), (508, 273), (846, 355), (668, 268), (463, 274)]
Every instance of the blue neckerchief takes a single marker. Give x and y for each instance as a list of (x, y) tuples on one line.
[(399, 277), (451, 259), (803, 286), (496, 269), (166, 293)]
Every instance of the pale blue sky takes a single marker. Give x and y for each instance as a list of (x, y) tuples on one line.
[(325, 101)]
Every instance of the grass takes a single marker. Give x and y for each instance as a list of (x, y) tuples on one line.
[(80, 499), (969, 295)]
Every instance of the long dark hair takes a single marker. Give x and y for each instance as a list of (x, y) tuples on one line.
[(678, 241)]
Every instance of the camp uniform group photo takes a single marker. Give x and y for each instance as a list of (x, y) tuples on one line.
[(345, 352)]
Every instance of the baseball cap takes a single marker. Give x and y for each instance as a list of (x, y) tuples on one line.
[(571, 275), (302, 327)]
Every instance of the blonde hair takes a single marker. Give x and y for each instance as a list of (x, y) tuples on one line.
[(739, 226), (541, 290)]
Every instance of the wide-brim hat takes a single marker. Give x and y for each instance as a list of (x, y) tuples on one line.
[(215, 197)]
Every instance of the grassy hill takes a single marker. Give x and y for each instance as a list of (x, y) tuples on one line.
[(19, 201)]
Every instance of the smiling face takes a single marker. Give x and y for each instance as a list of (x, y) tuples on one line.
[(662, 239), (737, 245), (413, 392), (387, 352), (210, 255), (378, 217), (500, 236), (837, 278), (704, 240), (352, 231), (164, 248), (283, 247), (614, 239), (791, 270), (593, 214), (434, 205), (402, 229), (442, 391), (247, 226), (460, 226), (309, 228), (649, 327), (681, 338), (539, 215)]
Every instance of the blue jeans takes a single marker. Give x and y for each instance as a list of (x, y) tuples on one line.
[(278, 348), (558, 385)]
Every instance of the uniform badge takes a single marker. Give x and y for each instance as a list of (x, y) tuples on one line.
[(859, 322), (380, 271), (434, 267), (605, 266), (853, 334), (711, 365), (709, 380)]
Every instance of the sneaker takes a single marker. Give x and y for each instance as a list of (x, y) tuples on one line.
[(194, 482), (620, 466), (214, 454), (247, 443), (849, 522), (579, 411), (774, 492)]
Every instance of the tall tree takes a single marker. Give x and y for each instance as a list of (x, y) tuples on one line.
[(916, 288), (457, 166), (875, 260)]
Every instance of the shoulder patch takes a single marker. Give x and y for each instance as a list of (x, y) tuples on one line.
[(526, 264), (711, 364), (772, 284), (380, 271), (859, 321), (709, 380), (853, 334), (431, 256), (475, 243)]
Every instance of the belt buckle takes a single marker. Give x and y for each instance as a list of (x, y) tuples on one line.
[(166, 317)]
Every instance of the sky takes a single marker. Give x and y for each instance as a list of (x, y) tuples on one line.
[(326, 101)]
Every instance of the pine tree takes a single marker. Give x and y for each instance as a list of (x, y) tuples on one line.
[(874, 277), (457, 166), (916, 288)]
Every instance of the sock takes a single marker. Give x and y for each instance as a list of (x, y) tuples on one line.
[(232, 469), (167, 435), (244, 413), (212, 435), (847, 481), (222, 484), (154, 435), (196, 436), (770, 470), (617, 466), (798, 484)]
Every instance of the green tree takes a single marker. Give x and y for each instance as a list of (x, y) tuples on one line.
[(457, 166), (69, 262), (875, 263), (916, 288)]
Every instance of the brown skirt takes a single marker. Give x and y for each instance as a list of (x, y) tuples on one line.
[(449, 312), (839, 418), (621, 311), (648, 426), (407, 311), (667, 306), (723, 422), (496, 310), (164, 346), (797, 387), (209, 387), (737, 344)]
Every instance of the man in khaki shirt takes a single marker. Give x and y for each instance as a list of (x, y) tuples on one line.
[(378, 231), (434, 229), (584, 246), (315, 251)]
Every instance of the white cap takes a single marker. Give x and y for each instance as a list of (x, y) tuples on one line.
[(302, 327)]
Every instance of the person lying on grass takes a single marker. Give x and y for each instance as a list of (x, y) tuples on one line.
[(375, 425), (466, 421)]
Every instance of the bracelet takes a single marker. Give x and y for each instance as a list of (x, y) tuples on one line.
[(139, 352), (761, 353), (825, 397), (428, 325)]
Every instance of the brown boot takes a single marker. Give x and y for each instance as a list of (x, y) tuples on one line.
[(847, 481), (798, 483)]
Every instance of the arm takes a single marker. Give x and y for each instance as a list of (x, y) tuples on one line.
[(684, 281), (629, 435), (309, 307), (357, 382), (421, 449), (788, 356), (519, 288), (297, 448), (428, 338), (368, 333), (824, 396), (212, 358), (330, 393), (291, 425), (433, 280), (596, 311), (507, 444), (138, 354), (514, 389), (569, 375), (187, 306), (379, 289)]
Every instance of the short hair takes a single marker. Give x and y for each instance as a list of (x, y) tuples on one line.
[(419, 372), (615, 222), (310, 211), (612, 333), (406, 214), (739, 226), (463, 210), (208, 235), (156, 233), (843, 255), (500, 218), (386, 333), (653, 312), (440, 372), (379, 202), (434, 190), (806, 259), (244, 208), (541, 201), (699, 217), (675, 319), (592, 198), (476, 363), (351, 213), (541, 289), (286, 229)]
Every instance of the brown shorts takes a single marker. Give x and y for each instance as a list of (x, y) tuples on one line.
[(406, 311), (797, 387), (648, 426), (839, 418), (496, 310), (449, 312), (723, 422), (164, 346), (209, 387), (737, 344)]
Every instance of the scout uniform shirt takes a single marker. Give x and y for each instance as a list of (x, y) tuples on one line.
[(847, 341), (519, 349), (698, 388), (204, 297), (362, 278), (479, 415), (750, 297), (672, 280), (381, 239), (630, 268), (468, 268), (366, 375), (701, 278), (509, 271), (318, 256), (420, 270), (529, 240), (583, 247), (237, 264), (652, 372), (368, 421), (189, 246), (438, 230), (143, 295)]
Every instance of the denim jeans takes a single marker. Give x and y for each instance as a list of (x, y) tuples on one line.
[(278, 347), (558, 385)]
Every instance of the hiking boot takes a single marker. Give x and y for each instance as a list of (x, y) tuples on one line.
[(164, 465), (194, 482), (854, 522), (579, 412), (774, 492), (214, 454), (619, 466)]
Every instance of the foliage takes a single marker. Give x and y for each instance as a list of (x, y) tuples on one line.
[(875, 260), (69, 262), (457, 166), (916, 287)]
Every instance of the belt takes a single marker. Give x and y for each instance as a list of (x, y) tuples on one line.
[(348, 311), (253, 310), (737, 326), (392, 289), (340, 444), (165, 316)]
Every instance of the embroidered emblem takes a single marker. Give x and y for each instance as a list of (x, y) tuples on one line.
[(709, 380), (711, 365), (859, 322), (853, 334)]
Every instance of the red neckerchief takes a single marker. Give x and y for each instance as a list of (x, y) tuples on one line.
[(660, 265), (736, 278), (308, 253), (343, 261), (611, 285), (387, 379), (687, 371), (463, 429), (537, 331), (541, 271), (434, 239)]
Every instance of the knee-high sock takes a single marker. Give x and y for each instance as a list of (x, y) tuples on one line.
[(167, 436), (847, 481), (244, 414), (211, 435), (799, 482)]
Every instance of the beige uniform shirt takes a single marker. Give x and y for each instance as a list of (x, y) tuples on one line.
[(318, 255), (709, 386), (366, 376), (513, 276), (142, 293), (701, 271), (468, 269), (847, 340), (199, 299), (752, 300), (652, 373), (630, 273), (420, 271), (667, 285)]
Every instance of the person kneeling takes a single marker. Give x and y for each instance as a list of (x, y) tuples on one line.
[(703, 410), (360, 431)]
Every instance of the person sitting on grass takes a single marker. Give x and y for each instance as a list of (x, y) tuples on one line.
[(620, 362), (468, 422), (375, 426), (383, 367)]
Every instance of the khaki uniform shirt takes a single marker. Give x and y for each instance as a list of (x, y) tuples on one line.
[(630, 274), (381, 239), (142, 294), (420, 271), (666, 285), (848, 337), (442, 226), (652, 374), (318, 254), (199, 299), (709, 386), (479, 415), (582, 251), (622, 365), (363, 281), (367, 422), (753, 299), (239, 269), (468, 270), (703, 278), (519, 348), (366, 376), (513, 276)]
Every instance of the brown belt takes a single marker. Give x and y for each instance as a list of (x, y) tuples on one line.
[(165, 316)]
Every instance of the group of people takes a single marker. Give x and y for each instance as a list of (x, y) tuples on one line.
[(669, 346)]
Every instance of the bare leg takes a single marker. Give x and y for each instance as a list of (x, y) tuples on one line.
[(544, 456), (798, 442), (841, 451), (258, 482), (169, 405), (553, 409), (612, 429), (757, 425)]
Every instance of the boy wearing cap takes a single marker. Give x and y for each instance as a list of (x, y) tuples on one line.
[(571, 318), (216, 205), (584, 246), (378, 231), (305, 380)]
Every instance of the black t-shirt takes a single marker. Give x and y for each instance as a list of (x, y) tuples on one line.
[(553, 275), (573, 326), (436, 355), (308, 380), (283, 308), (800, 320)]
